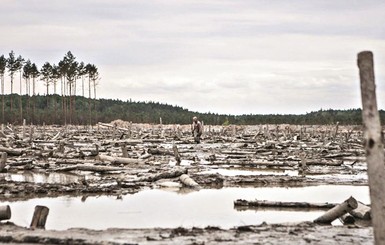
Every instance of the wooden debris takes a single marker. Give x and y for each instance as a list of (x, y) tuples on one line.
[(11, 152), (39, 217), (347, 219), (164, 175), (187, 181), (266, 203), (337, 211), (92, 168), (5, 212), (362, 211), (119, 160)]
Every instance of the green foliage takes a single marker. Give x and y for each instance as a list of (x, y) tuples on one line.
[(226, 122), (106, 110)]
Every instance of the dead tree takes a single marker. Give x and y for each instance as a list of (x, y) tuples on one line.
[(373, 144)]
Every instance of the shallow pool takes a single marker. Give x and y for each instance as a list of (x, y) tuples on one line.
[(173, 207)]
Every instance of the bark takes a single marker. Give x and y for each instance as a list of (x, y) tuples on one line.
[(337, 211), (373, 144), (5, 212), (39, 217), (265, 203)]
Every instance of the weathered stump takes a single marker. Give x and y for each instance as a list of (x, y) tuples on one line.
[(5, 212), (39, 217)]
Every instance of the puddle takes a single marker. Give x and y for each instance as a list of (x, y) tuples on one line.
[(242, 172), (49, 178), (160, 208)]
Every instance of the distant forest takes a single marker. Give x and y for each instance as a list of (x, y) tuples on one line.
[(53, 109)]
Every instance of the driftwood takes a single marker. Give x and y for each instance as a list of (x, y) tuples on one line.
[(39, 217), (187, 181), (165, 175), (337, 211), (373, 144), (265, 203), (92, 168), (159, 151), (5, 212), (21, 162), (118, 160), (362, 211), (11, 152)]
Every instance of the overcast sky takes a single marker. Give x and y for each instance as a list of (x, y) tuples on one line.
[(222, 56)]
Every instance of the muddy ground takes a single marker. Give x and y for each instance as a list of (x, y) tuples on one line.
[(121, 158)]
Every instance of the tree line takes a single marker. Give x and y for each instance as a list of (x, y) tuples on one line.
[(107, 110), (25, 105)]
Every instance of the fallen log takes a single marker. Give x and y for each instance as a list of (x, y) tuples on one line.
[(158, 151), (91, 168), (362, 211), (119, 160), (165, 175), (21, 162), (5, 212), (11, 152), (187, 181), (337, 211), (266, 203), (39, 217)]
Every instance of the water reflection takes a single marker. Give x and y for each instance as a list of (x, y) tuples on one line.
[(159, 208), (50, 178)]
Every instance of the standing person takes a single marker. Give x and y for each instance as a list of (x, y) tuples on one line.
[(196, 129)]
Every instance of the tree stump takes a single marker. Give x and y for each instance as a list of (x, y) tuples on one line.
[(39, 217), (5, 212)]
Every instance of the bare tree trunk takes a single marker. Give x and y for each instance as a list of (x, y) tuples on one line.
[(373, 144), (82, 85), (11, 92), (2, 99), (89, 100), (21, 100)]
